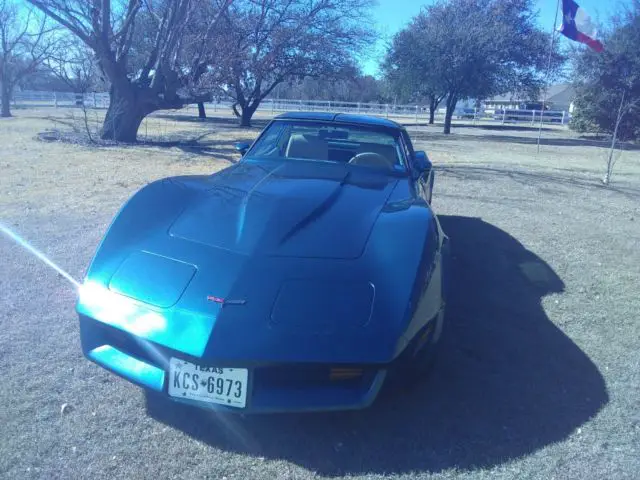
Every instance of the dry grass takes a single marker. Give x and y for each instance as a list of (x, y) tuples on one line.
[(46, 177), (540, 369)]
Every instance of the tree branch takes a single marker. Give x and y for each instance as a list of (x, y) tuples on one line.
[(106, 20), (72, 24), (132, 9)]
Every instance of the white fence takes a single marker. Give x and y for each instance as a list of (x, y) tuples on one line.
[(33, 98), (405, 113), (420, 113)]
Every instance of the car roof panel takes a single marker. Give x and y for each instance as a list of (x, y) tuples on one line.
[(340, 118)]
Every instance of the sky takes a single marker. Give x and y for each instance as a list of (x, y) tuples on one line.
[(392, 15)]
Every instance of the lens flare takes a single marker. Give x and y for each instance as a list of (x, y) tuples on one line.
[(37, 253)]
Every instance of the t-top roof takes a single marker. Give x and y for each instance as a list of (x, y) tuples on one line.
[(339, 118)]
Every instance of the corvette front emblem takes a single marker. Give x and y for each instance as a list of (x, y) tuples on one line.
[(223, 302)]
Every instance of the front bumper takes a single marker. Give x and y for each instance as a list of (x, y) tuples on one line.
[(272, 388)]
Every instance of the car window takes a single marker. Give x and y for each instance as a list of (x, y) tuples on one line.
[(268, 140), (330, 142), (405, 150), (409, 146)]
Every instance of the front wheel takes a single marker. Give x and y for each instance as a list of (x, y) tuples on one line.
[(417, 361)]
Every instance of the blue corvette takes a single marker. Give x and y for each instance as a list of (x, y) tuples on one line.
[(302, 278)]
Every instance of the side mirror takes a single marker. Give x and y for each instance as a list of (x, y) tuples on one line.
[(242, 147), (422, 164)]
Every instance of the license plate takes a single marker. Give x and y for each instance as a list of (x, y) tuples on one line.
[(224, 386)]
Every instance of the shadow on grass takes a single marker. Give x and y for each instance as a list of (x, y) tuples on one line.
[(542, 179), (217, 149), (519, 139), (256, 123), (192, 146), (505, 127), (507, 383), (556, 142), (480, 126)]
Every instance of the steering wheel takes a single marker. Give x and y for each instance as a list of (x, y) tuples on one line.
[(371, 159)]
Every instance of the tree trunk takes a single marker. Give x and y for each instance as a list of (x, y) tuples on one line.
[(451, 106), (202, 113), (614, 139), (432, 110), (246, 114), (124, 116), (6, 100), (234, 109)]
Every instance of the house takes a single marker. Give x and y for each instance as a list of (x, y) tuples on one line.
[(559, 97)]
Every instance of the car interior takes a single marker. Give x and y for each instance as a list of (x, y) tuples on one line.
[(378, 155)]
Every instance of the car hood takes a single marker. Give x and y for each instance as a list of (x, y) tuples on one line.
[(263, 261), (292, 208)]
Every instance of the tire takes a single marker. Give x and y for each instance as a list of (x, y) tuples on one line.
[(417, 361)]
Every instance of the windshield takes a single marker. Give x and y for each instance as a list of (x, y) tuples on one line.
[(329, 142)]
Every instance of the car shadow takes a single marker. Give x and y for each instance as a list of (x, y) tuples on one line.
[(507, 382)]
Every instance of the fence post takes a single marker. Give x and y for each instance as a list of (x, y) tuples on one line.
[(533, 117), (55, 100), (504, 115), (386, 105), (416, 114), (563, 114)]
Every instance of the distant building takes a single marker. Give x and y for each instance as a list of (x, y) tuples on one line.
[(559, 97)]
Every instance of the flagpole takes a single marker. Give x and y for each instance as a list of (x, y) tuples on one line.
[(546, 78)]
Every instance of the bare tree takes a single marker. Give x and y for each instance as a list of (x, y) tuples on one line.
[(350, 85), (75, 65), (627, 105), (139, 46), (25, 44), (269, 41)]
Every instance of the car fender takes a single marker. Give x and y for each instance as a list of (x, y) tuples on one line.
[(405, 249), (149, 208)]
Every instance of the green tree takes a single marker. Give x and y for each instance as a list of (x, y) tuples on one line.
[(475, 49), (407, 71), (608, 83)]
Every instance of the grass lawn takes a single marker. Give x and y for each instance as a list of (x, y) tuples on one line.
[(539, 373)]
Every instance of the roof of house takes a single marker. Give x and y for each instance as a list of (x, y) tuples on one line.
[(557, 92)]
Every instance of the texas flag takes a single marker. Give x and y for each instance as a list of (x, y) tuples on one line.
[(576, 25)]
